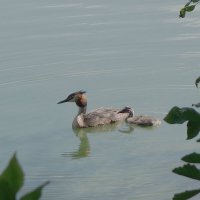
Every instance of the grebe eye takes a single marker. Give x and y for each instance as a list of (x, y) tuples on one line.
[(71, 97)]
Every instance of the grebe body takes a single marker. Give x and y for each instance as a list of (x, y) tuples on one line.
[(142, 120), (100, 116)]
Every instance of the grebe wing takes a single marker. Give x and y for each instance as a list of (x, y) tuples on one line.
[(102, 112), (103, 116)]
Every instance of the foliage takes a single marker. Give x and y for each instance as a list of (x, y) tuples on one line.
[(179, 116), (190, 171), (192, 158), (11, 181), (186, 195), (189, 7), (197, 81)]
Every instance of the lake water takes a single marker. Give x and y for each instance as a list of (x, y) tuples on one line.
[(136, 53)]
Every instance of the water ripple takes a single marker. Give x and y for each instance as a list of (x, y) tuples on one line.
[(69, 74), (185, 36), (63, 5)]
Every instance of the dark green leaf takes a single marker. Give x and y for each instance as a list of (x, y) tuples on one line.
[(35, 194), (182, 13), (13, 175), (197, 81), (186, 195), (195, 1), (6, 192), (188, 3), (192, 158), (190, 114), (180, 115), (174, 116), (193, 129), (190, 8), (189, 171)]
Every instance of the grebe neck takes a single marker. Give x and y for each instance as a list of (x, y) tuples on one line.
[(82, 110), (82, 104)]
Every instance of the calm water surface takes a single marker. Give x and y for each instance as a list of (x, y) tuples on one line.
[(136, 53)]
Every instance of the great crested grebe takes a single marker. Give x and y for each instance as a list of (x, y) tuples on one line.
[(100, 116), (142, 120)]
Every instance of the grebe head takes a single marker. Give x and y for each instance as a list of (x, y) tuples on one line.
[(78, 97), (128, 110)]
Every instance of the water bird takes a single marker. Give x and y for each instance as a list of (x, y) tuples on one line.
[(142, 120), (100, 116)]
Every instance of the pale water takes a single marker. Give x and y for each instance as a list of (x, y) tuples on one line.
[(135, 53)]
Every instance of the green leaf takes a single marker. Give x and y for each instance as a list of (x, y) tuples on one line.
[(197, 81), (188, 3), (186, 195), (190, 8), (189, 171), (195, 1), (13, 175), (174, 116), (180, 115), (192, 158), (5, 190), (193, 129), (35, 194), (182, 13), (190, 114)]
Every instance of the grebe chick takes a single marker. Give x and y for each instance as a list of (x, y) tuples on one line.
[(100, 116), (142, 120)]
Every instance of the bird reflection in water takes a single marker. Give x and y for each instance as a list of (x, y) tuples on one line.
[(84, 146)]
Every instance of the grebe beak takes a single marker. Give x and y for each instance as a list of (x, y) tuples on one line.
[(64, 101)]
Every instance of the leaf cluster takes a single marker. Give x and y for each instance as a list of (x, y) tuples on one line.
[(179, 116), (189, 7), (11, 181)]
